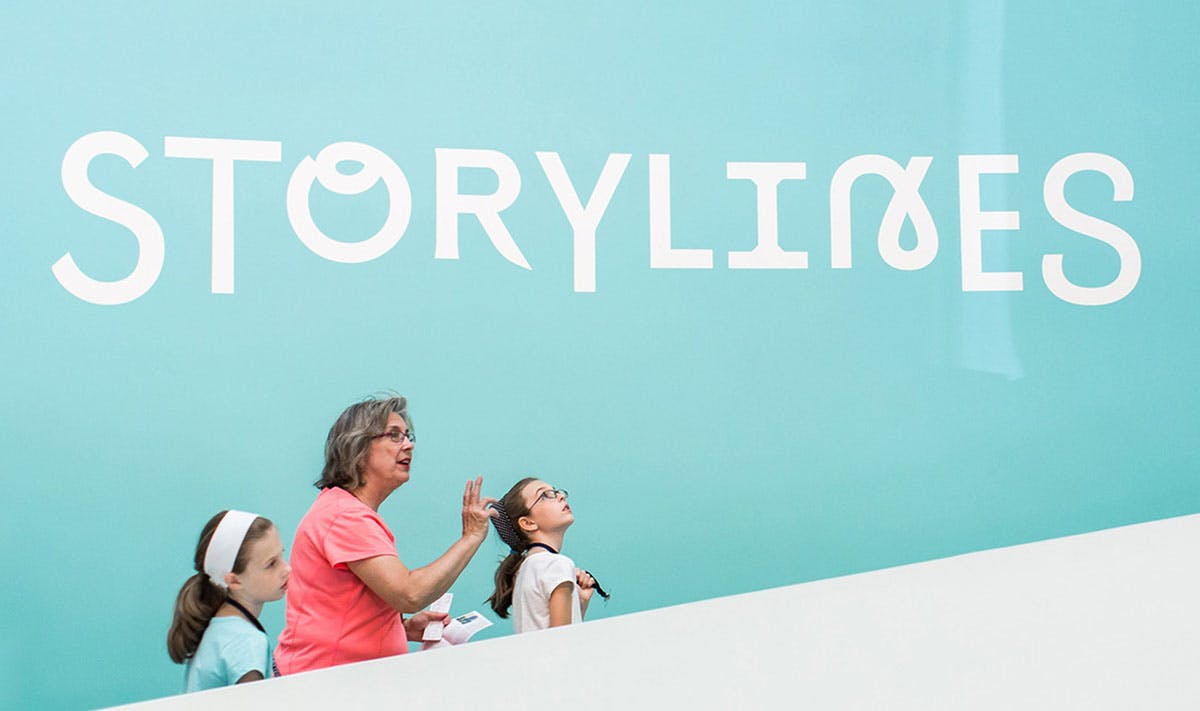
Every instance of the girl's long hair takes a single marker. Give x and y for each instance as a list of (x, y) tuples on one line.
[(200, 598), (509, 510)]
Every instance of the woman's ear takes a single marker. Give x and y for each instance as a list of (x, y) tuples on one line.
[(231, 579)]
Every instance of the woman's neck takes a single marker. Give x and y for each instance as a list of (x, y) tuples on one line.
[(370, 496)]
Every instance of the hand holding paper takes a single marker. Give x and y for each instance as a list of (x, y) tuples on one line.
[(433, 631), (459, 630)]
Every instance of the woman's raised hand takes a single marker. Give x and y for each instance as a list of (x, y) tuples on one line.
[(475, 511)]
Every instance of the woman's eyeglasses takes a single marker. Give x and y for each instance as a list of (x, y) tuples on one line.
[(397, 436)]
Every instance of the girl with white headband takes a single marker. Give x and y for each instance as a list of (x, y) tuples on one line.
[(216, 632)]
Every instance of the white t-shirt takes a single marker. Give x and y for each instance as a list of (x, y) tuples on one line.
[(537, 577)]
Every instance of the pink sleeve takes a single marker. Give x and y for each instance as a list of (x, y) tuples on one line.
[(357, 535)]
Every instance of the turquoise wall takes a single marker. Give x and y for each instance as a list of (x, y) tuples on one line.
[(721, 430)]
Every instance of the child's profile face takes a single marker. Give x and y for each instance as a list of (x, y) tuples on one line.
[(548, 508), (266, 574)]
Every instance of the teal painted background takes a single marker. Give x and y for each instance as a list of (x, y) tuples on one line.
[(720, 430)]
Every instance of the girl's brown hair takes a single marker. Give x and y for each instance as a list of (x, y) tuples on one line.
[(510, 509), (200, 598)]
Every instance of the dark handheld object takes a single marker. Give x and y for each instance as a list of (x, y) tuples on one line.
[(596, 586)]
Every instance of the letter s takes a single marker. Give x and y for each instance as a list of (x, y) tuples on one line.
[(1115, 237), (144, 227)]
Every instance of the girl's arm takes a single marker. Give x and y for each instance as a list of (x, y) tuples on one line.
[(254, 675), (560, 604)]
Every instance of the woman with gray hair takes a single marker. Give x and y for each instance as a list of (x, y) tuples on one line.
[(349, 592)]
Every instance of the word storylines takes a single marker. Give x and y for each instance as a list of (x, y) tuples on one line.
[(374, 166)]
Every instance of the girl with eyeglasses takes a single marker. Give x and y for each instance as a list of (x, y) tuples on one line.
[(541, 585)]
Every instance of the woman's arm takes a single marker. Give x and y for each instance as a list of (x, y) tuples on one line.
[(408, 591), (254, 675)]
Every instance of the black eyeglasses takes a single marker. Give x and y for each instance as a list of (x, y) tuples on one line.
[(397, 436), (549, 495)]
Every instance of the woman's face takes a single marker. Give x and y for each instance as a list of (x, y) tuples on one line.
[(388, 462), (549, 510)]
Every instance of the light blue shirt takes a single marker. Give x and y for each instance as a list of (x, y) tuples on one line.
[(230, 649)]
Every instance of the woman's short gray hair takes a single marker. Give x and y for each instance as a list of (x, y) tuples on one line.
[(350, 438)]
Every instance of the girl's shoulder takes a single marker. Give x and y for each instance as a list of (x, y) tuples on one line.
[(232, 626), (544, 561), (226, 636)]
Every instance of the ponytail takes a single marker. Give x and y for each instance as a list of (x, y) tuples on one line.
[(506, 576), (510, 508), (200, 597), (197, 602)]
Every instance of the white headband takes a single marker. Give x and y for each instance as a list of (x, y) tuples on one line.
[(225, 543)]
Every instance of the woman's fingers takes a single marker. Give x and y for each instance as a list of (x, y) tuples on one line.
[(471, 493), (431, 616), (476, 513)]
